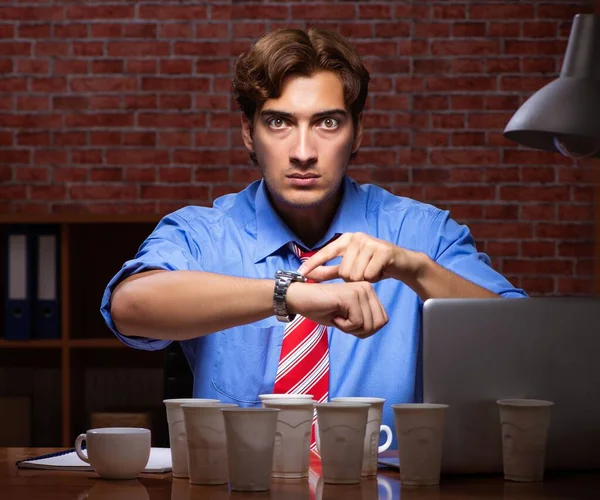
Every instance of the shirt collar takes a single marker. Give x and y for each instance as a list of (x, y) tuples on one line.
[(273, 232)]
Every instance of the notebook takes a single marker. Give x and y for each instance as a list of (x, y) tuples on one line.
[(159, 461)]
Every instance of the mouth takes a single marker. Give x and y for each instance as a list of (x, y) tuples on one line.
[(303, 176), (303, 179)]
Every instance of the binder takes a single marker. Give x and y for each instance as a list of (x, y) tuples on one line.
[(46, 292), (18, 289)]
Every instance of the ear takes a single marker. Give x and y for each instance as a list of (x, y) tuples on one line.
[(247, 133), (358, 134)]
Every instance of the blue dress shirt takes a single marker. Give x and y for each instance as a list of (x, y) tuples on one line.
[(242, 235)]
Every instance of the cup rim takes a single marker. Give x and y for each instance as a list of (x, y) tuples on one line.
[(118, 431), (203, 406), (339, 405), (179, 401), (301, 403), (285, 396), (524, 403), (357, 399), (239, 409), (419, 406)]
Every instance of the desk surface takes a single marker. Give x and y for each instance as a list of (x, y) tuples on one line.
[(22, 484)]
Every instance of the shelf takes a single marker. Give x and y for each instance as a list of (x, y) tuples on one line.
[(31, 344), (82, 218), (58, 343)]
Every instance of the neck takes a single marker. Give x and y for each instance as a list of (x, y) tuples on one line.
[(310, 224)]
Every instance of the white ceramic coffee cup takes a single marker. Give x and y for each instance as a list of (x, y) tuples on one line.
[(177, 435), (524, 424), (374, 429), (291, 456), (115, 452)]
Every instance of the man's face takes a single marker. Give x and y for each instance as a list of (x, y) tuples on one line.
[(303, 141)]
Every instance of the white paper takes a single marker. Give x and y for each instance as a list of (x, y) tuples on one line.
[(159, 461)]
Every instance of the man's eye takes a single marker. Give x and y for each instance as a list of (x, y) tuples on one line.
[(276, 123), (330, 122)]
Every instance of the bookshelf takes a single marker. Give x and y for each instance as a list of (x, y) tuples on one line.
[(92, 249)]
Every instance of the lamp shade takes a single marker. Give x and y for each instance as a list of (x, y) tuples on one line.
[(564, 115)]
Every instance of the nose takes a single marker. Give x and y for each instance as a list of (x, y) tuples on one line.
[(304, 150)]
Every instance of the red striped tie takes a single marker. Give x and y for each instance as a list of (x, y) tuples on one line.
[(304, 362)]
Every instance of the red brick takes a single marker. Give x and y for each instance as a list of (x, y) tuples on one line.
[(210, 139), (104, 174), (465, 47), (411, 48), (175, 120), (431, 30), (451, 121), (203, 174), (120, 49), (141, 66), (27, 139), (164, 12), (464, 157), (430, 175), (34, 31), (500, 11), (397, 174), (140, 101), (172, 84), (375, 11), (529, 48), (107, 30), (70, 174), (503, 65), (538, 65), (523, 83), (322, 11), (174, 192), (532, 157), (32, 174), (33, 103), (387, 30), (538, 29), (7, 31), (104, 84), (175, 174), (50, 192), (13, 84), (582, 194), (501, 230), (534, 193), (176, 66), (375, 157), (200, 157), (395, 102), (212, 66), (103, 192), (99, 12), (468, 102), (430, 139), (576, 249), (575, 286), (468, 30), (449, 11), (395, 65), (52, 49), (99, 120), (538, 212), (433, 66), (49, 84), (31, 13), (15, 49), (499, 174), (31, 66), (538, 249), (146, 31), (538, 266), (108, 66), (466, 174), (535, 285), (558, 10), (140, 174), (70, 102), (70, 67), (212, 31), (504, 29), (386, 139), (137, 157), (69, 139), (86, 156), (174, 139), (441, 84), (183, 31), (459, 192), (538, 174), (70, 30), (502, 248), (88, 49), (502, 102), (139, 139), (489, 120), (462, 66), (468, 139), (576, 213)]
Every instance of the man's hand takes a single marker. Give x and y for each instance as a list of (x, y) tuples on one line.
[(352, 307), (364, 258)]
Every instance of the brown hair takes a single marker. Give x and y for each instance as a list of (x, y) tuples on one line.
[(259, 75)]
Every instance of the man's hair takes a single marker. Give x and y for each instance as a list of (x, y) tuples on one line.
[(259, 75)]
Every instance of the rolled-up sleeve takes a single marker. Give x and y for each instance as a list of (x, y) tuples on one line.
[(452, 246), (170, 247)]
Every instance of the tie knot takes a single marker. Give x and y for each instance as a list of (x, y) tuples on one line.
[(304, 254)]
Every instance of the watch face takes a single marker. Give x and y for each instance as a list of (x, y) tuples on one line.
[(293, 275)]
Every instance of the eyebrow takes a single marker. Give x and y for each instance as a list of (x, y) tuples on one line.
[(285, 114)]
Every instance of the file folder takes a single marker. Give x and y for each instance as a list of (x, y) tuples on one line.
[(46, 311), (17, 270)]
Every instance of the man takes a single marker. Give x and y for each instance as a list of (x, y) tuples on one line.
[(205, 276)]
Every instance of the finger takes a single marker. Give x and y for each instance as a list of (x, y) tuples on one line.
[(380, 318), (367, 325), (324, 273), (353, 319), (328, 252), (357, 272), (348, 261), (374, 269)]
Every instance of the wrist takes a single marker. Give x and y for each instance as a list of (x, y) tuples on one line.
[(411, 266)]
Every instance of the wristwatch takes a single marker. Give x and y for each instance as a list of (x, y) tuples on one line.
[(283, 279)]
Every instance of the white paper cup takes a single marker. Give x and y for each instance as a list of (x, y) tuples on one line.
[(115, 452), (290, 397), (420, 434), (206, 442), (250, 443), (292, 437), (374, 429), (177, 436), (524, 424), (341, 431)]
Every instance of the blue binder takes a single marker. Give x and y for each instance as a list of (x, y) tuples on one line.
[(46, 256), (17, 283)]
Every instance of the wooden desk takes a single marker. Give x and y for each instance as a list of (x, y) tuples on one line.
[(21, 484)]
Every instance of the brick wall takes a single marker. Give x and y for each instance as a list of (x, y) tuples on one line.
[(116, 106)]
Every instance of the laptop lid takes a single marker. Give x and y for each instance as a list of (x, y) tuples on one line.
[(476, 351)]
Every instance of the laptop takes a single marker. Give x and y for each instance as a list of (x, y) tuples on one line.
[(476, 351)]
